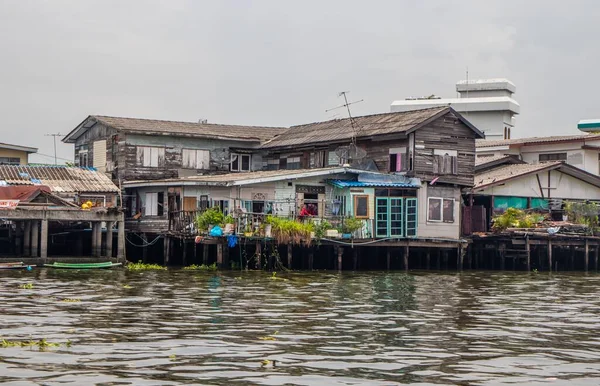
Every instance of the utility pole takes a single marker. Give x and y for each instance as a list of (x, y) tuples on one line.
[(54, 137)]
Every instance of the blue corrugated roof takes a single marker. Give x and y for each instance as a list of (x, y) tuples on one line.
[(358, 184)]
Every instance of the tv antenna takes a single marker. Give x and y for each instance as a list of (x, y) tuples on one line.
[(54, 137), (347, 106)]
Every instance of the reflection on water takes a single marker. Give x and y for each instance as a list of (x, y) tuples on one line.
[(181, 327)]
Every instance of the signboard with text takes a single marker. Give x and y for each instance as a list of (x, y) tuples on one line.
[(8, 204)]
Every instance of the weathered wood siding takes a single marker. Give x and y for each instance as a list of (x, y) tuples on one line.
[(445, 133)]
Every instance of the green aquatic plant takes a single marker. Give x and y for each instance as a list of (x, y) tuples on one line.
[(127, 286), (203, 267), (172, 357), (26, 286), (71, 300), (139, 266), (42, 344)]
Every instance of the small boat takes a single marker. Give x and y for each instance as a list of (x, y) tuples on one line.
[(105, 265), (15, 265)]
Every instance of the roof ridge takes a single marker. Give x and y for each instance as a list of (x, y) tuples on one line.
[(373, 115), (187, 122)]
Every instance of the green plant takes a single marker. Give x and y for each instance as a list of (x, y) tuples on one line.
[(211, 216), (321, 229), (351, 225), (585, 213), (203, 267), (229, 220), (286, 231), (516, 218), (139, 266)]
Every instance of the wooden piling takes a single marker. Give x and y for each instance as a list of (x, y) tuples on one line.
[(339, 258), (406, 254), (166, 249), (258, 255), (586, 261), (144, 248), (184, 252), (528, 251), (388, 258), (439, 258), (461, 254), (550, 255), (220, 255), (205, 252), (355, 259), (289, 256), (502, 251), (428, 259), (310, 259), (596, 257)]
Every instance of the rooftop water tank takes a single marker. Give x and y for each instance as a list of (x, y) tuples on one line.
[(589, 125)]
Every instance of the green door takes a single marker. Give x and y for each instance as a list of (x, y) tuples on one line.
[(381, 217), (396, 217), (412, 219)]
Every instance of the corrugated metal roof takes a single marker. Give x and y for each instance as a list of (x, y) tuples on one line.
[(508, 172), (341, 129), (192, 129), (481, 143), (60, 179), (359, 184)]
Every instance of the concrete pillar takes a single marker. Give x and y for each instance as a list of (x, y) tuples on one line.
[(44, 240), (109, 238), (99, 238), (94, 239), (35, 237), (121, 240), (27, 239), (166, 250)]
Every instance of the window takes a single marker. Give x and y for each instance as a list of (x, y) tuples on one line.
[(293, 163), (154, 205), (150, 156), (398, 160), (440, 209), (195, 159), (553, 157), (10, 161), (317, 159), (282, 163), (333, 159), (83, 157), (273, 164), (240, 163), (445, 162), (361, 206)]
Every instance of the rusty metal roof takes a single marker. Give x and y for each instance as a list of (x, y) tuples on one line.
[(341, 129), (481, 143), (174, 128), (60, 179)]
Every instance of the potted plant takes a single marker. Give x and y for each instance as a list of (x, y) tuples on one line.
[(209, 218), (248, 231), (349, 226), (229, 224)]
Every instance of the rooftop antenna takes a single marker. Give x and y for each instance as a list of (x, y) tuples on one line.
[(347, 106), (54, 135)]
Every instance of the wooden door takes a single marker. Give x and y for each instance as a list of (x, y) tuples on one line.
[(189, 204)]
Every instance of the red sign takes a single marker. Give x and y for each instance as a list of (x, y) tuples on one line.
[(8, 204)]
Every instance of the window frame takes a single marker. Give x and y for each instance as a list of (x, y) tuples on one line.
[(355, 198), (147, 162), (439, 156), (442, 201), (240, 162), (393, 155), (559, 157), (196, 152)]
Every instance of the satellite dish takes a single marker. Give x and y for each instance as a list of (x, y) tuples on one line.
[(220, 157), (355, 152)]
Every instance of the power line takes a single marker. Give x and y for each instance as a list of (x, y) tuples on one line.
[(54, 135)]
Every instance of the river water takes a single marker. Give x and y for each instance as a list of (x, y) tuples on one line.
[(376, 328)]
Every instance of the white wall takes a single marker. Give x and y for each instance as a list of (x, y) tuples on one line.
[(429, 229), (562, 186)]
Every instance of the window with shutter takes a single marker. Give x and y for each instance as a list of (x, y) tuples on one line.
[(398, 160), (195, 159), (151, 204), (150, 156), (445, 162)]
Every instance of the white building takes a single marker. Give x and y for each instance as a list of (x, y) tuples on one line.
[(582, 151), (487, 103)]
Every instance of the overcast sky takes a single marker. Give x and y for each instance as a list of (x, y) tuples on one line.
[(281, 63)]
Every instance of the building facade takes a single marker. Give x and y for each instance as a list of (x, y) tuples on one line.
[(15, 154)]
